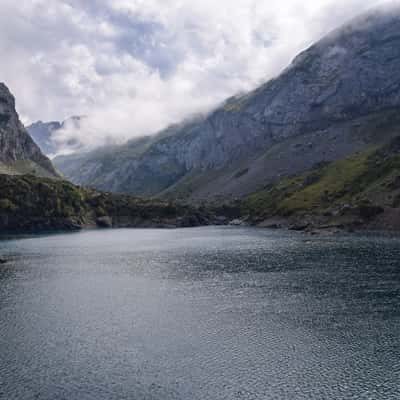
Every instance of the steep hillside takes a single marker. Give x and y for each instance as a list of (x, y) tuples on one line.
[(18, 152), (362, 190), (113, 168), (340, 96)]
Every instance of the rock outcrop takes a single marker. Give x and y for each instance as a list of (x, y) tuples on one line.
[(338, 97), (18, 152)]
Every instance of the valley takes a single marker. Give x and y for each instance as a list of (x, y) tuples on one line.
[(316, 147)]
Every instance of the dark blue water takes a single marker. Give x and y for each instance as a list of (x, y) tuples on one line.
[(210, 313)]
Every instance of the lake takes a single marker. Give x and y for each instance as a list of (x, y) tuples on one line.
[(206, 313)]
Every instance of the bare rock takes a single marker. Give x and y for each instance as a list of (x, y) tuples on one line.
[(104, 222), (15, 143)]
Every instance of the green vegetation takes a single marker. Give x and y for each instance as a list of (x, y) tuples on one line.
[(367, 179), (31, 203), (233, 107), (235, 104), (327, 185), (7, 204)]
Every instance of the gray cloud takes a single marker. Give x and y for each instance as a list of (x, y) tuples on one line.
[(133, 67)]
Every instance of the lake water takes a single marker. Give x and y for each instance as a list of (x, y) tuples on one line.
[(205, 313)]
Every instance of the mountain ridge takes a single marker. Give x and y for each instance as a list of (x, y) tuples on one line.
[(328, 103)]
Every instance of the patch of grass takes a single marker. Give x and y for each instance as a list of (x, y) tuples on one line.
[(336, 182), (235, 104), (233, 107), (371, 177), (7, 205)]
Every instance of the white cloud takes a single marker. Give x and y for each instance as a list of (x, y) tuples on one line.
[(134, 66)]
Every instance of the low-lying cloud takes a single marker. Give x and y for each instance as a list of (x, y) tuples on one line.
[(134, 66)]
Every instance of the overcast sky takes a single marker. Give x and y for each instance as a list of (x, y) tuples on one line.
[(134, 66)]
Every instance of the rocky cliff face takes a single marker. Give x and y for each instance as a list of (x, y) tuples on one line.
[(18, 152), (339, 96)]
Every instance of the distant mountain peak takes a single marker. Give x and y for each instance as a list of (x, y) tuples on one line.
[(45, 134)]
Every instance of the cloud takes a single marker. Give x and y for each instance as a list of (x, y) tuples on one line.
[(134, 66)]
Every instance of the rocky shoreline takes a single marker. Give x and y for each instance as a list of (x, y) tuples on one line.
[(311, 226), (38, 225), (30, 204), (380, 219)]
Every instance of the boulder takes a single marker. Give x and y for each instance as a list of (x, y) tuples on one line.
[(104, 222)]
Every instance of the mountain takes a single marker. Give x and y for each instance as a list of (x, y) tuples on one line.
[(42, 134), (113, 168), (33, 196), (340, 96), (45, 135), (18, 152)]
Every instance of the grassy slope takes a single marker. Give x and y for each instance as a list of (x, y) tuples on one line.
[(365, 180)]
